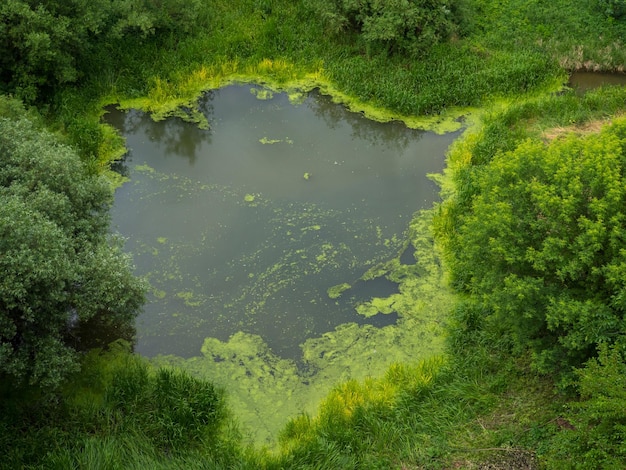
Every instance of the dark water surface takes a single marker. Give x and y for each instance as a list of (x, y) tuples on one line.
[(585, 81), (245, 226)]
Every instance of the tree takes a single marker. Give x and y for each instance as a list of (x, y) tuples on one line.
[(613, 8), (406, 26), (60, 267), (44, 42), (543, 247)]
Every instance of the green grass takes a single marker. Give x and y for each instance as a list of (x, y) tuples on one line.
[(477, 406), (119, 412), (506, 49)]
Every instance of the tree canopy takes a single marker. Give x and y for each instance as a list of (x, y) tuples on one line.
[(407, 26), (44, 43), (60, 267), (543, 247)]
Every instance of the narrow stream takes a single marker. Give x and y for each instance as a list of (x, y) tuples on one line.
[(585, 81)]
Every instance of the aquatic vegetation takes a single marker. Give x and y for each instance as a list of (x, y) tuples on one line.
[(265, 141), (377, 305), (336, 291), (267, 389), (260, 319), (262, 93)]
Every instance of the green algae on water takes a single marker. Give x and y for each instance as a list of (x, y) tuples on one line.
[(335, 292), (266, 390), (305, 242)]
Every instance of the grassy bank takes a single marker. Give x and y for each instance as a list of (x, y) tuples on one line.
[(482, 403), (499, 51)]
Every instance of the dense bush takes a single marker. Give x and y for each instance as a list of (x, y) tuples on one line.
[(404, 26), (543, 246), (613, 8), (43, 43), (60, 269), (596, 437)]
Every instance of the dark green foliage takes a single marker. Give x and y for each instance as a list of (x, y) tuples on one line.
[(596, 437), (59, 268), (613, 8), (403, 26), (543, 245), (45, 44), (120, 412)]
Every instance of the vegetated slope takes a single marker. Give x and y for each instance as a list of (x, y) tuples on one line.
[(533, 227), (485, 403)]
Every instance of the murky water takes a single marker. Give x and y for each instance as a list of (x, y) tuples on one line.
[(585, 81), (245, 227)]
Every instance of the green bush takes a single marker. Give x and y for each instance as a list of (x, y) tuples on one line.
[(613, 8), (393, 26), (541, 248), (596, 436), (60, 267)]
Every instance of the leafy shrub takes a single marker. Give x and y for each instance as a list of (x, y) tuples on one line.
[(597, 435), (403, 26), (60, 268), (613, 8), (542, 245)]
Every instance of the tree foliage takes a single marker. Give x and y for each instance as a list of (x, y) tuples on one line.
[(60, 268), (613, 8), (406, 26), (44, 42), (597, 437), (543, 247)]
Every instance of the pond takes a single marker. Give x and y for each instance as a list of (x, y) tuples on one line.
[(258, 230)]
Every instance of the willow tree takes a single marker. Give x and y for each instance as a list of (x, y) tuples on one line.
[(61, 270)]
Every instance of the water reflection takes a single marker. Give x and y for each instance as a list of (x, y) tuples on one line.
[(263, 214), (174, 136), (393, 135)]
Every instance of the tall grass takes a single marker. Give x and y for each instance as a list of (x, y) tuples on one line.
[(424, 416), (119, 412)]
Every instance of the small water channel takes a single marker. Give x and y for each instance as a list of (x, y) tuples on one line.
[(582, 82), (245, 226)]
